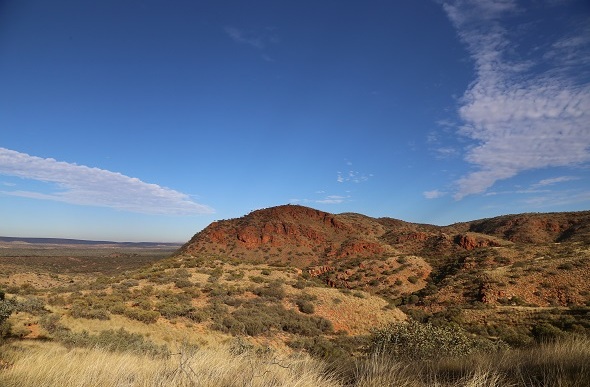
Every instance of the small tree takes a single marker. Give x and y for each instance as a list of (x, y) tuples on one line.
[(6, 309)]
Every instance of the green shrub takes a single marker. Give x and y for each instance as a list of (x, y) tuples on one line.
[(114, 341), (30, 304), (319, 347), (56, 300), (257, 279), (254, 319), (415, 341), (546, 332), (170, 309), (305, 306), (234, 275), (145, 316), (197, 315), (300, 284), (81, 310), (6, 309), (51, 322), (183, 283), (274, 290)]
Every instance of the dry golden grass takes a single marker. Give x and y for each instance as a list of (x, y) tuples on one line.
[(355, 315), (48, 364), (565, 363), (161, 332)]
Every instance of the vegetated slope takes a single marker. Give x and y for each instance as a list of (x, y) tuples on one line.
[(303, 236), (490, 260), (537, 228), (294, 234)]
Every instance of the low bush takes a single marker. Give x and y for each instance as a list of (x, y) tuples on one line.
[(418, 341), (145, 316), (170, 309), (29, 304), (6, 309), (81, 310), (255, 319), (114, 341), (273, 290), (305, 306)]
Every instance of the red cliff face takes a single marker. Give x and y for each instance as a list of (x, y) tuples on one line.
[(287, 231), (302, 235), (469, 242), (360, 248)]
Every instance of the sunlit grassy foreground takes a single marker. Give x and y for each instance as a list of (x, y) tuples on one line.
[(50, 364)]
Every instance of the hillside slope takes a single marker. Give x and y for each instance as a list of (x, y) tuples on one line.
[(393, 258)]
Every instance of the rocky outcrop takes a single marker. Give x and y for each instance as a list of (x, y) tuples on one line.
[(319, 270), (470, 242), (360, 248), (414, 236)]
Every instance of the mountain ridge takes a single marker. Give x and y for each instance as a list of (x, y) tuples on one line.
[(320, 235), (69, 241)]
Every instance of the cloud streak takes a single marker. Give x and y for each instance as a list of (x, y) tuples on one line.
[(241, 37), (434, 194), (524, 111), (555, 180), (329, 199), (82, 185), (352, 177)]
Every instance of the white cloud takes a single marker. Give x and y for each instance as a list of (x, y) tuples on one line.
[(352, 177), (82, 185), (446, 152), (555, 180), (333, 199), (519, 117), (328, 199), (241, 37), (434, 194), (559, 198)]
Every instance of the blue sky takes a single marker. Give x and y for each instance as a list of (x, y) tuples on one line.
[(147, 120)]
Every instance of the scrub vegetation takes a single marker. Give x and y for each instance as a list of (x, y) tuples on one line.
[(491, 316)]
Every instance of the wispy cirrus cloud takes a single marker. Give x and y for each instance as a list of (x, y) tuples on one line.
[(82, 185), (555, 180), (260, 41), (558, 198), (524, 111), (333, 199), (434, 194), (239, 36), (352, 177), (327, 199)]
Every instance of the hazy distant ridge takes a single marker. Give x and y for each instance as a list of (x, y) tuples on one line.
[(65, 241)]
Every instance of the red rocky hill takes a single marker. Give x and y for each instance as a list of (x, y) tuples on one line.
[(490, 259), (303, 236)]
